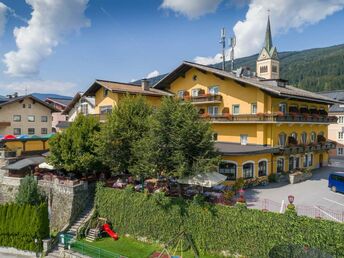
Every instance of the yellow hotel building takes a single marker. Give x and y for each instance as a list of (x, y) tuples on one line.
[(261, 124)]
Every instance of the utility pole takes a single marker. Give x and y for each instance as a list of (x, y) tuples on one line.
[(233, 43), (223, 43)]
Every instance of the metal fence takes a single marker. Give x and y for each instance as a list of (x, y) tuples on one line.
[(315, 211)]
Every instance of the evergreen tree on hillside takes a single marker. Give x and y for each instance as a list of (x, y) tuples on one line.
[(29, 193)]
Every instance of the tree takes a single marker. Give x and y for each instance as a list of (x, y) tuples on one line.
[(74, 149), (179, 142), (125, 126), (29, 193)]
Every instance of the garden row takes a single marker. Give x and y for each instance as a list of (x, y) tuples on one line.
[(214, 228)]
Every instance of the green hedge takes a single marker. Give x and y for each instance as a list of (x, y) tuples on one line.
[(20, 225), (215, 228)]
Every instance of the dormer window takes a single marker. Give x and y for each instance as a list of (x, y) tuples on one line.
[(214, 90)]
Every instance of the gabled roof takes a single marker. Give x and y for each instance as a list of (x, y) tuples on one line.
[(121, 87), (76, 99), (267, 86), (337, 95), (20, 98), (61, 102)]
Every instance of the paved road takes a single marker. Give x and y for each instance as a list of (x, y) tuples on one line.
[(310, 195), (2, 255)]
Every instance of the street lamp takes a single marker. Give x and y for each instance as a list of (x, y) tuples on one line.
[(36, 244)]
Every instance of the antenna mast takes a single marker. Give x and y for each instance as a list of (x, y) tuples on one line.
[(233, 43), (223, 42)]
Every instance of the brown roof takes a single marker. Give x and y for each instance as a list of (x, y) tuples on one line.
[(12, 100), (121, 87), (287, 91)]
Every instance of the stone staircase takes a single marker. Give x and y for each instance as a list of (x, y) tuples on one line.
[(92, 234), (54, 254), (73, 230)]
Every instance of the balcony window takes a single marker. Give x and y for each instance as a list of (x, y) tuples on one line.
[(243, 139), (16, 118), (195, 92), (282, 139), (293, 109), (294, 135), (262, 168), (304, 138), (340, 151), (228, 169), (313, 137), (340, 136), (213, 110), (282, 107), (305, 161), (297, 162), (180, 94), (214, 90), (340, 119), (291, 163), (236, 109), (31, 118), (31, 131), (248, 170), (17, 131), (310, 159), (254, 108), (84, 108), (280, 165), (105, 92)]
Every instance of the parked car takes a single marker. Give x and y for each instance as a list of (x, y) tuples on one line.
[(336, 182)]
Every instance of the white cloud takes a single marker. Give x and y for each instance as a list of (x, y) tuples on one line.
[(284, 15), (50, 22), (41, 86), (153, 74), (191, 8), (3, 18)]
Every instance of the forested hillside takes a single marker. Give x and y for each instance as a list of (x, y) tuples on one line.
[(319, 69)]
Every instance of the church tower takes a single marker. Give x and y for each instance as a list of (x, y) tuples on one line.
[(268, 62)]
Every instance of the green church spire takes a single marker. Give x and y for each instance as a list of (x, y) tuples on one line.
[(268, 39)]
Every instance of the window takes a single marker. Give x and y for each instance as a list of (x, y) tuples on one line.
[(254, 108), (31, 131), (194, 92), (340, 119), (44, 119), (228, 169), (262, 168), (17, 131), (236, 109), (313, 136), (305, 161), (263, 69), (105, 109), (282, 107), (213, 110), (280, 165), (84, 108), (213, 90), (304, 137), (106, 92), (28, 105), (243, 139), (248, 170), (44, 130), (310, 159), (340, 151), (31, 118), (297, 162), (180, 94), (282, 139), (214, 136), (340, 135), (16, 118), (274, 69), (23, 105), (291, 163), (294, 135)]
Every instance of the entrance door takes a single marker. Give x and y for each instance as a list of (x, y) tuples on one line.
[(321, 160)]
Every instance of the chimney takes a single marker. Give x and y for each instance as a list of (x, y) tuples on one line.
[(145, 84)]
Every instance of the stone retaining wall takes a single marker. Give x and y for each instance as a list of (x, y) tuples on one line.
[(299, 177)]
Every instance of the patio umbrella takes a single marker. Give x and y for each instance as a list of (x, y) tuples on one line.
[(23, 136), (49, 135), (1, 136), (34, 137), (205, 179), (9, 137), (46, 165)]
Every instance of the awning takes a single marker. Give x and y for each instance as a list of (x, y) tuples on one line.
[(206, 180), (24, 163), (45, 165)]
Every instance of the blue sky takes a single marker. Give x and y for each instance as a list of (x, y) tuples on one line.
[(125, 40)]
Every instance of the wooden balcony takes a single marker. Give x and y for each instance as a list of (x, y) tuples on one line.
[(5, 124), (269, 118), (313, 147), (100, 117), (204, 99)]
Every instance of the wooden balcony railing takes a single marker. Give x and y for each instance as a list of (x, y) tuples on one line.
[(269, 118), (296, 149), (99, 117), (204, 98)]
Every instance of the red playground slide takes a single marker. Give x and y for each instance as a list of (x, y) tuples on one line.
[(107, 229)]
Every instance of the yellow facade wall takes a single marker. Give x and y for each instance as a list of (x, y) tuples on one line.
[(28, 145)]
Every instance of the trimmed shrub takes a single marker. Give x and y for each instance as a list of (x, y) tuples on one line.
[(20, 225), (215, 228)]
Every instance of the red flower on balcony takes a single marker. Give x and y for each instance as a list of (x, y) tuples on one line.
[(205, 115), (279, 113)]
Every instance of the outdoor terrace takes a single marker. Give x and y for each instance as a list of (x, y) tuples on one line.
[(313, 147), (204, 99)]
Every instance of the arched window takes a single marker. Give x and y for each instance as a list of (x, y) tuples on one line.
[(294, 135), (304, 137), (291, 163), (228, 169), (248, 170), (262, 168), (282, 139), (280, 165), (313, 137)]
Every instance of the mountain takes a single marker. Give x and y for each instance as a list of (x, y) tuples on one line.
[(44, 96), (318, 69)]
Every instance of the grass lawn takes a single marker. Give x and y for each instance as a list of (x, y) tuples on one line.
[(133, 248)]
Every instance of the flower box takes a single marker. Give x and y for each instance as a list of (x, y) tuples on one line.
[(299, 176)]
